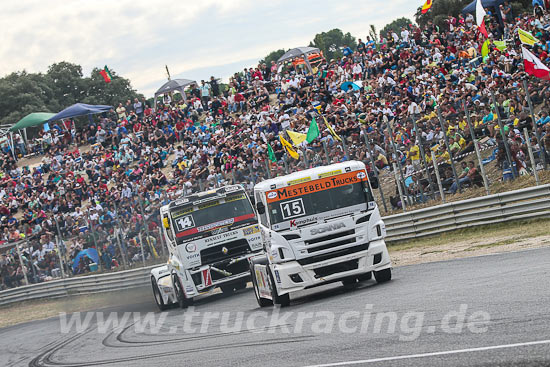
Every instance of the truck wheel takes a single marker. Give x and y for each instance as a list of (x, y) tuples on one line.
[(228, 288), (262, 302), (183, 301), (157, 295), (365, 277), (240, 285), (383, 275), (283, 300), (350, 283)]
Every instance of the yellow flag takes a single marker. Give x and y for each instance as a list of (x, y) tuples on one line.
[(526, 38), (289, 148), (331, 130), (297, 138)]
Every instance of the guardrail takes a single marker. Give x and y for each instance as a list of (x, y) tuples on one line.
[(527, 203), (87, 284), (514, 205)]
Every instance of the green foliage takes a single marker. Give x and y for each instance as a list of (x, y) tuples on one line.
[(273, 56), (330, 42), (64, 84), (396, 26)]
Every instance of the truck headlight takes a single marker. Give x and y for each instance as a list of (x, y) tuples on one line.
[(191, 247)]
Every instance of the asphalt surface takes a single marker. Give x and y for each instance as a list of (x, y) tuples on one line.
[(505, 301)]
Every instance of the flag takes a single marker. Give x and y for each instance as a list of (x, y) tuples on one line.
[(485, 50), (297, 138), (271, 153), (313, 131), (331, 130), (500, 45), (426, 6), (106, 74), (480, 18), (317, 106), (533, 65), (527, 38), (289, 148)]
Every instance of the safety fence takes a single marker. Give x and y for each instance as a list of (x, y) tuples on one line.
[(509, 206)]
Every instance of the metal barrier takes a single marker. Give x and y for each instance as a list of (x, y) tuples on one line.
[(527, 203), (87, 284)]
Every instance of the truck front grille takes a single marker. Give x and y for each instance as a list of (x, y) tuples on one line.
[(325, 271), (333, 254), (217, 253), (330, 237)]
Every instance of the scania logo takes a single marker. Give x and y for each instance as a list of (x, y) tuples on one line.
[(331, 227), (225, 250)]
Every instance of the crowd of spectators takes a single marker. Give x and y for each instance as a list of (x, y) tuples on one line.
[(137, 158)]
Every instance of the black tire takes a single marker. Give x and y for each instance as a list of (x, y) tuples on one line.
[(365, 277), (262, 302), (157, 295), (183, 301), (241, 285), (228, 288), (383, 276), (283, 300), (350, 283)]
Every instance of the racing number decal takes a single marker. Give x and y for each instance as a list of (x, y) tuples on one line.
[(292, 208), (184, 223)]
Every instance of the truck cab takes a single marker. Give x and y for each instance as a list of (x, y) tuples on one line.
[(211, 236), (317, 226)]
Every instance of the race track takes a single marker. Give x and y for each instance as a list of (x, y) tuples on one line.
[(505, 301)]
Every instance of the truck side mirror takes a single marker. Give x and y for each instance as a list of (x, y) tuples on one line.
[(373, 180), (260, 207)]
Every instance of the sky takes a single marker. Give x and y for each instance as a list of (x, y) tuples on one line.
[(196, 39)]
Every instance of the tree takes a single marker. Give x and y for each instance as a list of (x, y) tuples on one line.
[(331, 42), (373, 33), (272, 56), (22, 93), (396, 26)]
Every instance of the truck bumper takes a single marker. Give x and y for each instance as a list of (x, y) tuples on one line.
[(292, 276)]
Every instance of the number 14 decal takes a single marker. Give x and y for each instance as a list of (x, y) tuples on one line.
[(293, 208)]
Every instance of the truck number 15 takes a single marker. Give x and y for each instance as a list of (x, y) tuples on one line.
[(293, 208)]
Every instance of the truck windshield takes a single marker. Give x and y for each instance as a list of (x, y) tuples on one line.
[(198, 221), (335, 200)]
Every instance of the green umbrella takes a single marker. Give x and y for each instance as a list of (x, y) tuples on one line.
[(32, 119)]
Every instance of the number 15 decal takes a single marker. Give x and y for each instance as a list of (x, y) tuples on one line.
[(293, 208)]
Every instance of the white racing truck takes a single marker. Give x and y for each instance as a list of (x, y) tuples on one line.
[(318, 226), (211, 236)]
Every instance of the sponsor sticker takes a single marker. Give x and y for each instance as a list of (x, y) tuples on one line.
[(206, 277), (314, 186), (251, 230), (299, 181), (226, 222), (331, 173)]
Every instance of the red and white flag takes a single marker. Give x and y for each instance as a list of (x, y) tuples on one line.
[(480, 18), (533, 65)]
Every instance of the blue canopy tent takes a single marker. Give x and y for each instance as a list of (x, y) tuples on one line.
[(492, 5), (79, 109), (90, 252)]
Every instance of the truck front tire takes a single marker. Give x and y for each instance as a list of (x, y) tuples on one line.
[(383, 276), (183, 301), (157, 295), (262, 302), (283, 300)]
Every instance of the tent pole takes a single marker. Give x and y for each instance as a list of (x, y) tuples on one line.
[(308, 64), (12, 146), (155, 104)]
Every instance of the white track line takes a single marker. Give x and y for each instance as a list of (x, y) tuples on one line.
[(410, 356)]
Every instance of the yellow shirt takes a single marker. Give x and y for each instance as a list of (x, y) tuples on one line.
[(414, 153)]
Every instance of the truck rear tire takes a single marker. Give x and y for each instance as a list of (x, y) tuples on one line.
[(157, 295), (262, 302), (350, 283), (228, 289), (183, 301), (383, 276), (283, 300)]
